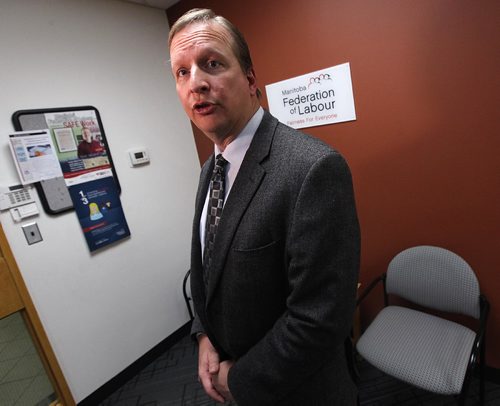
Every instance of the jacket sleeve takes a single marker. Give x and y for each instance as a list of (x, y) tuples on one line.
[(196, 327), (322, 262)]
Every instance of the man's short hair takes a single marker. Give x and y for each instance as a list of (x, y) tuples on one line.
[(204, 15)]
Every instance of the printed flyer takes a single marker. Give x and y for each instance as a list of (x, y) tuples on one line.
[(99, 211), (34, 156)]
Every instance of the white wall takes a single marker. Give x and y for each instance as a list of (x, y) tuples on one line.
[(103, 311)]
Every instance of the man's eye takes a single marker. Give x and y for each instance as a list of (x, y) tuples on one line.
[(182, 72), (213, 64)]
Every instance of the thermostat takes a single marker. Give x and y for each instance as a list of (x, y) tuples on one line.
[(139, 156)]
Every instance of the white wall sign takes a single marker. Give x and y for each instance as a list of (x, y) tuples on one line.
[(317, 98)]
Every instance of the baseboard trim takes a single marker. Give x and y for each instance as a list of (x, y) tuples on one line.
[(133, 369)]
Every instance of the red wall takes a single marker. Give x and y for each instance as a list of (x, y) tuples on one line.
[(424, 148)]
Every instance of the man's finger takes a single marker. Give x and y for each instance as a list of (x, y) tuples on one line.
[(206, 382)]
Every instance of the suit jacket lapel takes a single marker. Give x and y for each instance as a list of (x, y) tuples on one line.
[(245, 185)]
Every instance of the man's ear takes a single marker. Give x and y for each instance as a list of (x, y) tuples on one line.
[(252, 81)]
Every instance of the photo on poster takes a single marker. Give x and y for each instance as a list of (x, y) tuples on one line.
[(65, 139)]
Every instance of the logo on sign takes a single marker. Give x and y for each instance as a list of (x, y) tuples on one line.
[(317, 80)]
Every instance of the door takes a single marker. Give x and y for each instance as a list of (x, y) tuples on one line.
[(10, 301), (29, 371)]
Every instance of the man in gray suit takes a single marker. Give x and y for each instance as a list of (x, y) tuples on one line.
[(274, 292)]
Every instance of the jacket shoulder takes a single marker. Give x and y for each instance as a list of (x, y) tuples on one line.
[(296, 148)]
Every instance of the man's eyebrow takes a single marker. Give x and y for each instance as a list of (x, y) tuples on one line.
[(209, 52), (203, 54)]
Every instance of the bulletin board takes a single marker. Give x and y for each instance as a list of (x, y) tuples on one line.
[(82, 149)]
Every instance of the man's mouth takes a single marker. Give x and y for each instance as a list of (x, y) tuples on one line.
[(203, 107)]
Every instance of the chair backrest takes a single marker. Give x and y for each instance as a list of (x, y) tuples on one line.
[(435, 278)]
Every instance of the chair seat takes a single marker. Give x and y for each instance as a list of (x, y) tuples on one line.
[(420, 349)]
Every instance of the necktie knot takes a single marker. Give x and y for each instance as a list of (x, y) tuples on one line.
[(220, 163)]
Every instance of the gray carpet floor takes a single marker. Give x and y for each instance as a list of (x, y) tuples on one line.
[(172, 380)]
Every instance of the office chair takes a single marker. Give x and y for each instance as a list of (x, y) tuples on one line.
[(187, 295), (421, 349)]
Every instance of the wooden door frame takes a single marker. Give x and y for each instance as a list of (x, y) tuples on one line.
[(35, 327)]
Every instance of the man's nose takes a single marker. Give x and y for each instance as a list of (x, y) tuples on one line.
[(199, 81)]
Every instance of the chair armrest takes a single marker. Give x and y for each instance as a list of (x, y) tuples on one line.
[(481, 330), (370, 287)]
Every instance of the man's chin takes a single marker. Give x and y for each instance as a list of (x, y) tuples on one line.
[(211, 130)]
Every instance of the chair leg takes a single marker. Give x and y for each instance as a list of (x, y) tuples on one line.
[(482, 364)]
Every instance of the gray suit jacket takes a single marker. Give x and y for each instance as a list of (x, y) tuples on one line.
[(281, 292)]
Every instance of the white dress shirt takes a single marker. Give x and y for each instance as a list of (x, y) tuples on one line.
[(234, 154)]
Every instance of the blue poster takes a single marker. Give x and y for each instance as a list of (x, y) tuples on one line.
[(99, 211)]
